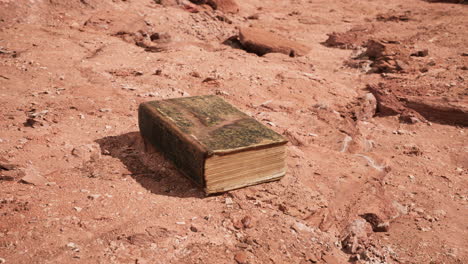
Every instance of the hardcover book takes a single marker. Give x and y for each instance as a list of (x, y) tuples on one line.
[(213, 143)]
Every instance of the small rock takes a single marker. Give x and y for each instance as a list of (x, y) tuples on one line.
[(157, 72), (400, 132), (87, 152), (420, 53), (300, 227), (378, 225), (429, 218), (75, 25), (247, 222), (78, 209), (237, 224), (219, 92), (228, 201), (140, 239), (261, 42), (180, 223), (77, 152), (440, 213), (128, 87), (31, 122), (38, 114), (355, 235), (94, 196), (32, 176), (254, 16), (226, 6), (6, 165), (367, 107), (193, 228), (241, 258), (2, 260), (424, 229), (73, 246), (105, 110)]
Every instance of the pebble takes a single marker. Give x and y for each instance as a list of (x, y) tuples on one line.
[(2, 260), (241, 258), (430, 218), (228, 201), (220, 92), (193, 228), (237, 224), (180, 223), (94, 196), (78, 152), (75, 25), (73, 246), (105, 110), (148, 95), (424, 229), (254, 16), (78, 209), (400, 132), (440, 213), (128, 87), (247, 222)]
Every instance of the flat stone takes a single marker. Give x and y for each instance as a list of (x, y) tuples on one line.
[(32, 176), (261, 42)]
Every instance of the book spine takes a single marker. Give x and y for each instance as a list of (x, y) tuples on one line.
[(186, 154)]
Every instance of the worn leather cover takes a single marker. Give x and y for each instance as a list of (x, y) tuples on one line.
[(188, 130)]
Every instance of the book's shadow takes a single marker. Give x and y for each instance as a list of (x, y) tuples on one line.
[(149, 168)]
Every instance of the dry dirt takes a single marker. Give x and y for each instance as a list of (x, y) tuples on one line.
[(369, 181)]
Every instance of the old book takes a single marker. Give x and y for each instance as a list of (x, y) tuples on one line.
[(213, 143)]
